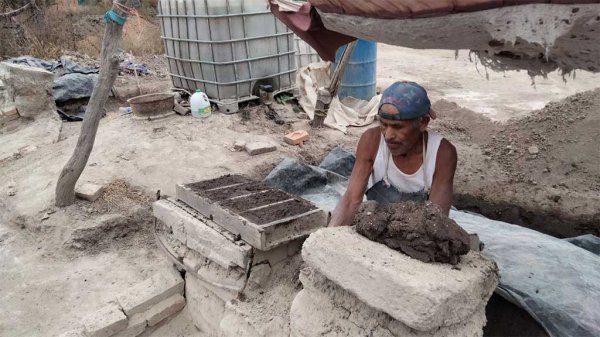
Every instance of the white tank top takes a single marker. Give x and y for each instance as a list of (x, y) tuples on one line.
[(407, 183)]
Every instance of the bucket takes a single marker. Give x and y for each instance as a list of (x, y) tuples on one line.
[(360, 77)]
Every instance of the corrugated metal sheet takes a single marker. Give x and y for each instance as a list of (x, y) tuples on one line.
[(421, 8)]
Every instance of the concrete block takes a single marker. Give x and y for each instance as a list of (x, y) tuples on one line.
[(438, 295), (105, 322), (205, 307), (136, 326), (30, 87), (296, 137), (164, 309), (256, 148), (149, 292), (259, 275), (203, 235), (89, 191)]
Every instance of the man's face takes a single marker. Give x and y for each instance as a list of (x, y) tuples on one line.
[(401, 136)]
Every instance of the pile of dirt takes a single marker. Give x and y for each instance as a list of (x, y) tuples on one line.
[(555, 146), (420, 231)]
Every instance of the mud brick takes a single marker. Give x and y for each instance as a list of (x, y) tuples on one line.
[(296, 137), (262, 227), (256, 148), (105, 322), (164, 309), (89, 191), (149, 292), (202, 235)]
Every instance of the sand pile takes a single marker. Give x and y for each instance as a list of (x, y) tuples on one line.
[(420, 231)]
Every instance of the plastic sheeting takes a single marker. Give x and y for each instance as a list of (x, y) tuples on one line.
[(555, 281), (71, 79)]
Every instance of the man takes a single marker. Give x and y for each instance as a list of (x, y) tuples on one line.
[(400, 160)]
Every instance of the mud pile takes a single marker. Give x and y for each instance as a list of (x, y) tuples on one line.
[(420, 231)]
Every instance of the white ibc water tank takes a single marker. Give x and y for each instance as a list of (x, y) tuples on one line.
[(305, 54), (224, 47)]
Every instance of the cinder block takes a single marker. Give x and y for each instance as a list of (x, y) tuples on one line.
[(164, 309), (149, 292), (296, 137), (256, 148), (203, 235), (105, 322), (137, 325), (89, 191)]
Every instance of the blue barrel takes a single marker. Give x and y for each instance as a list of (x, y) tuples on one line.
[(359, 80)]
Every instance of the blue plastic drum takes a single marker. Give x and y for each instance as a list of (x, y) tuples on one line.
[(359, 80)]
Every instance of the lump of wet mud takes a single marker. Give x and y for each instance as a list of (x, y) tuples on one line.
[(420, 231)]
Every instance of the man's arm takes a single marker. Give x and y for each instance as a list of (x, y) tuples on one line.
[(442, 186), (366, 150)]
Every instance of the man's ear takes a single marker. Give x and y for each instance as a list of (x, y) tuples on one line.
[(424, 123)]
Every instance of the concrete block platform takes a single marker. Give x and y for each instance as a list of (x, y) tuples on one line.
[(261, 216)]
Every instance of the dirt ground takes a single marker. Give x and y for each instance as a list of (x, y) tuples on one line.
[(61, 264)]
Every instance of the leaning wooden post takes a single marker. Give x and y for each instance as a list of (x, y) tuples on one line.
[(326, 95), (109, 68)]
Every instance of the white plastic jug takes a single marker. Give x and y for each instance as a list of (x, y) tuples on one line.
[(200, 105)]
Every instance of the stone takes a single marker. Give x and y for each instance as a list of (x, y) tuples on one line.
[(151, 291), (205, 307), (164, 309), (181, 110), (30, 88), (105, 322), (256, 148), (88, 191), (533, 149), (136, 326), (437, 294), (205, 237), (296, 138), (239, 145), (259, 274), (9, 113)]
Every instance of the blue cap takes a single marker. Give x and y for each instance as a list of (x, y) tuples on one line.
[(409, 98)]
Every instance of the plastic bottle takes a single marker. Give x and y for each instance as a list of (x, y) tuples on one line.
[(200, 105)]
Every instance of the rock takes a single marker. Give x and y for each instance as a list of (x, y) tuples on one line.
[(259, 274), (296, 137), (181, 110), (30, 89), (420, 231), (45, 216), (239, 145), (9, 113), (339, 161), (423, 296), (88, 191), (533, 149), (256, 148)]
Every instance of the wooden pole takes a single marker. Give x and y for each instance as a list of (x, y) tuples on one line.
[(109, 67), (325, 95)]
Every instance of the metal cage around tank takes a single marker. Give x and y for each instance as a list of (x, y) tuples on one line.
[(226, 47)]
